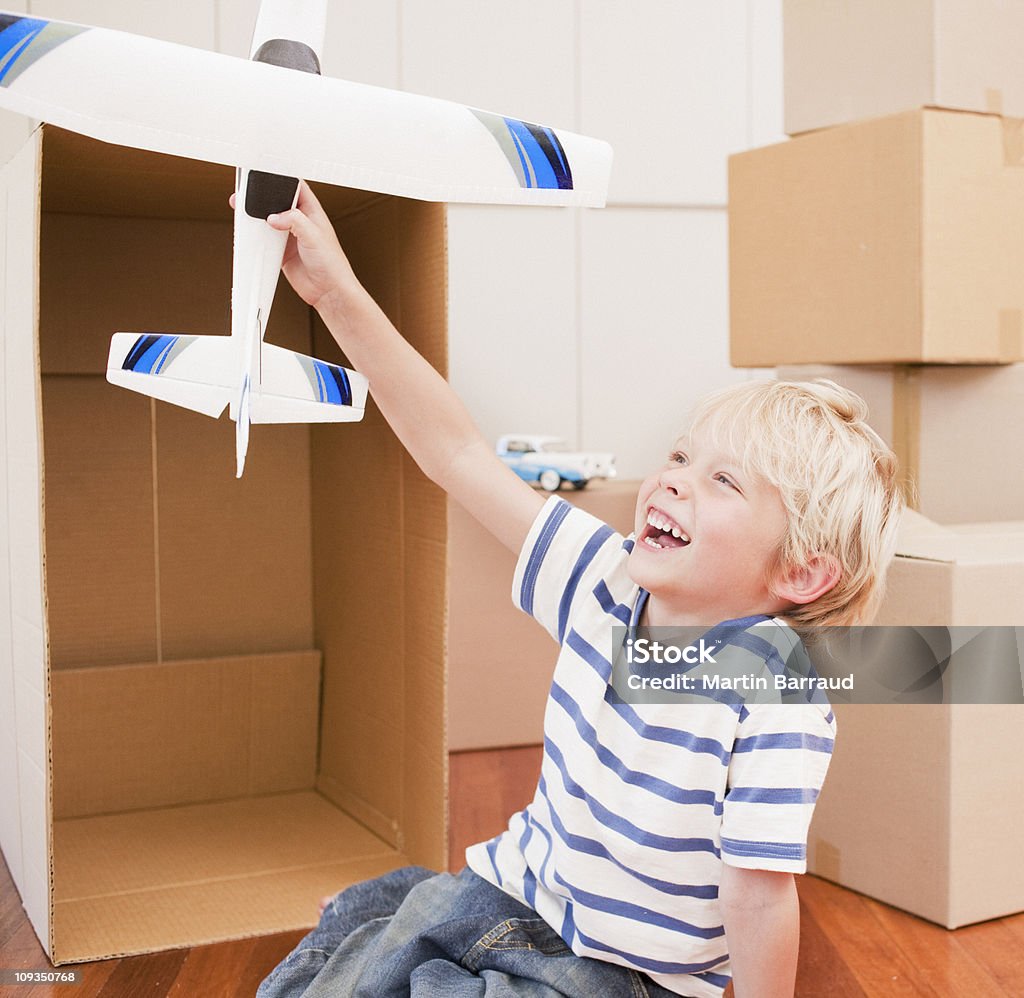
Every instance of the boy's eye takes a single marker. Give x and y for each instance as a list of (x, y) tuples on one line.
[(726, 480), (678, 457)]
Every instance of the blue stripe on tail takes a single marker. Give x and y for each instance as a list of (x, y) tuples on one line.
[(332, 383), (148, 352)]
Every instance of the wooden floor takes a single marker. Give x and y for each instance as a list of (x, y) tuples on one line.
[(850, 946)]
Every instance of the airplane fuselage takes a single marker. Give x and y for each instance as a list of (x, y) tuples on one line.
[(290, 34)]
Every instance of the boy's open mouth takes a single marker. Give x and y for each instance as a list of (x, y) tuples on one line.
[(663, 532)]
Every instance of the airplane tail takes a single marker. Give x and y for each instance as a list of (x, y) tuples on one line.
[(196, 372), (295, 388), (204, 373)]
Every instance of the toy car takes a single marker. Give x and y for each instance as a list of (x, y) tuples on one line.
[(549, 461)]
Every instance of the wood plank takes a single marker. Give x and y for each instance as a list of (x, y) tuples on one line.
[(267, 953), (151, 975), (874, 958), (1015, 923), (937, 955), (92, 979), (821, 972), (485, 789), (236, 968), (999, 948)]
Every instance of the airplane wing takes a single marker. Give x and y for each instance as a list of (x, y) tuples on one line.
[(202, 373), (169, 98)]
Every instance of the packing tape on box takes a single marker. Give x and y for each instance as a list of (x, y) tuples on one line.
[(1013, 141), (1011, 335), (906, 428)]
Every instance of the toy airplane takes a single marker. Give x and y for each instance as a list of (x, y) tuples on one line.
[(276, 118)]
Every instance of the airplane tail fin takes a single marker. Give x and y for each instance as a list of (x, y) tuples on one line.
[(191, 371), (295, 388)]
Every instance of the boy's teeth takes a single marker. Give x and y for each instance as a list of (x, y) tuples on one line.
[(659, 522)]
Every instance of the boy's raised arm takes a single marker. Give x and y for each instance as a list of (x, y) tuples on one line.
[(426, 415)]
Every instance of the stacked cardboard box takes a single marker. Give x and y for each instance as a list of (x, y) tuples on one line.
[(882, 246)]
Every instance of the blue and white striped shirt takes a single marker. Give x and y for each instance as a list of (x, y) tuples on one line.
[(639, 805)]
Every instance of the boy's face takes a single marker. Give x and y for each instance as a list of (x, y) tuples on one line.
[(706, 535)]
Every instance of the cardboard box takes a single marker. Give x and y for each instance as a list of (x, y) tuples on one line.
[(495, 647), (946, 425), (220, 698), (921, 807), (845, 61), (898, 240)]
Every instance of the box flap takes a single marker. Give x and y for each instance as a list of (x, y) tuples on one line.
[(971, 544)]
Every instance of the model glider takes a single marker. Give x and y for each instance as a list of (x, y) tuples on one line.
[(276, 118)]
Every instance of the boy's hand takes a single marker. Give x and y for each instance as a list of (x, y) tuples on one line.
[(314, 262)]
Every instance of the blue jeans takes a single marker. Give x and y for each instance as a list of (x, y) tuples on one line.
[(416, 934)]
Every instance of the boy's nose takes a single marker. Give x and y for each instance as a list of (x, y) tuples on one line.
[(676, 480)]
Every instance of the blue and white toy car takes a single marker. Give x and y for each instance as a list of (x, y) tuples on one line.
[(549, 461)]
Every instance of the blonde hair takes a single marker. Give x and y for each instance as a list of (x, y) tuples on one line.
[(836, 476)]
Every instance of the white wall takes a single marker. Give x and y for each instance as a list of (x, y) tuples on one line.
[(600, 325)]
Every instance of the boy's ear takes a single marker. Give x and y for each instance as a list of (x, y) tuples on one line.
[(809, 582)]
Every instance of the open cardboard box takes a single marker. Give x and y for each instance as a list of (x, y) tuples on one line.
[(847, 61), (892, 241), (922, 806), (929, 414), (220, 699)]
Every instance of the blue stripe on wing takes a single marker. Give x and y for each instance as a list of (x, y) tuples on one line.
[(541, 154), (149, 353), (332, 383), (16, 36)]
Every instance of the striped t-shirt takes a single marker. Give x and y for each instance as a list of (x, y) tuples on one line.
[(639, 805)]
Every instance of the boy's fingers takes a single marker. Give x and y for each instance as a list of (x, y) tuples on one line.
[(293, 221), (308, 203)]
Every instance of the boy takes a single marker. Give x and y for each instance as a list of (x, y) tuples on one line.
[(658, 834)]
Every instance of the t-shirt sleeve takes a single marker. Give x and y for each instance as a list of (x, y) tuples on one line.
[(566, 554), (778, 765)]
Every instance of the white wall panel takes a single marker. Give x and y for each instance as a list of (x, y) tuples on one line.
[(235, 21), (361, 43), (190, 22), (654, 321), (363, 40), (512, 317), (766, 104), (517, 59), (665, 81)]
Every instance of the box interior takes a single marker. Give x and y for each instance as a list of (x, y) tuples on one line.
[(247, 678)]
